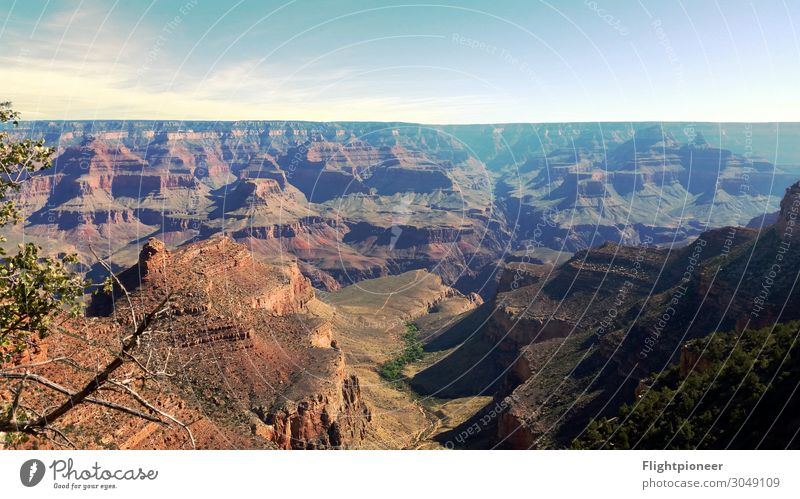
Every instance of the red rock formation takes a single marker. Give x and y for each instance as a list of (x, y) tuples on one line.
[(334, 415), (258, 364)]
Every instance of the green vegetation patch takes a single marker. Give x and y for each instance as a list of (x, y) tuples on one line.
[(737, 391), (392, 370)]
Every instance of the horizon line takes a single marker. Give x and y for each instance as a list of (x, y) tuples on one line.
[(412, 123)]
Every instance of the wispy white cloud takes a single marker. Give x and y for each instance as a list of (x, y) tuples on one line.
[(92, 59), (83, 64)]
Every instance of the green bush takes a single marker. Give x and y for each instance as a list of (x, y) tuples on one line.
[(413, 351)]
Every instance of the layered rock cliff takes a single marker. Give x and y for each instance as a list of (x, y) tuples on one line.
[(246, 349), (355, 201)]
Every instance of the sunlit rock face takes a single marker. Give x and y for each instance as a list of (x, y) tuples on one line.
[(247, 350)]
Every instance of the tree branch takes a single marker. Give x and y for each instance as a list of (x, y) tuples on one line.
[(15, 403), (36, 426), (84, 395)]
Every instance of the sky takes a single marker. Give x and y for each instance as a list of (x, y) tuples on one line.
[(441, 62)]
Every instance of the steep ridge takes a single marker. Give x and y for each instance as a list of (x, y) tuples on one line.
[(569, 345), (723, 394)]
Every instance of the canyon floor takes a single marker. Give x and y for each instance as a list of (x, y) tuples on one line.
[(370, 317)]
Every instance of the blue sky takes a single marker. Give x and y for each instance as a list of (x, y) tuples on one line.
[(462, 62)]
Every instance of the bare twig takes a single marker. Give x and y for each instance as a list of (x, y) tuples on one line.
[(58, 432), (119, 283), (92, 386), (66, 360), (37, 426), (150, 406), (42, 424), (15, 403)]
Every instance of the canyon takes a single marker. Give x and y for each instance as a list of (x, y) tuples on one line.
[(570, 344), (355, 201), (536, 262)]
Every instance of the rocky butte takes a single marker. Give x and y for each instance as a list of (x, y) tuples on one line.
[(252, 364)]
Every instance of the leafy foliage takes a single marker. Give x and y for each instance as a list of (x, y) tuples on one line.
[(740, 393), (33, 288), (18, 159), (413, 351)]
